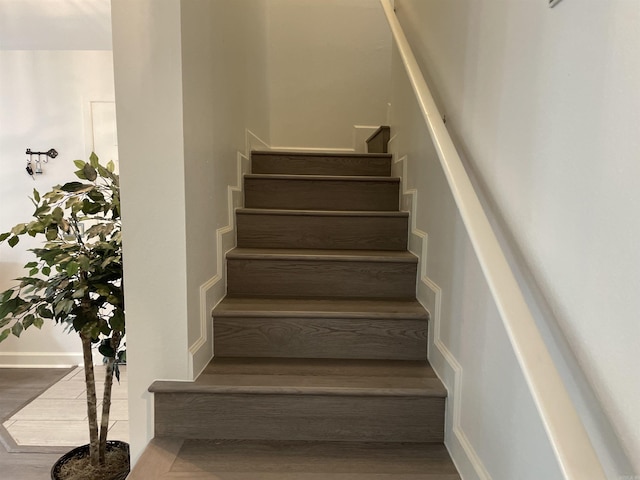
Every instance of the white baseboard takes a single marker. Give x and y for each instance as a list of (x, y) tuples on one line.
[(39, 359), (444, 363), (213, 290), (359, 137)]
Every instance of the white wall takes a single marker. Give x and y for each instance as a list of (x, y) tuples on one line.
[(328, 71), (224, 95), (468, 347), (55, 24), (44, 99), (148, 81), (543, 104), (189, 82)]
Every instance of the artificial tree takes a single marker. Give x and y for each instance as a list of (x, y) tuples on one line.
[(76, 278)]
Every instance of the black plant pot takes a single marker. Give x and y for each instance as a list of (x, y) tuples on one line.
[(83, 451)]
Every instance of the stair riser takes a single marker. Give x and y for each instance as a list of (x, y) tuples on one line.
[(319, 165), (256, 277), (391, 339), (322, 232), (306, 194), (300, 417)]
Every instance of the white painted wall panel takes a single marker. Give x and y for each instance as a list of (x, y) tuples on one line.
[(148, 81), (44, 96), (189, 81), (329, 66), (492, 429), (544, 105)]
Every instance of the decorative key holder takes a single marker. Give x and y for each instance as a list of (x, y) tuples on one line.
[(52, 153)]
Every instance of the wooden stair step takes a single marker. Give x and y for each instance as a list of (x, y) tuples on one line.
[(367, 230), (269, 399), (320, 328), (312, 163), (327, 307), (321, 273), (319, 192), (200, 459), (312, 376)]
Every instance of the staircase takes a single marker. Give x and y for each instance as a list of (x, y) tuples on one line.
[(320, 370)]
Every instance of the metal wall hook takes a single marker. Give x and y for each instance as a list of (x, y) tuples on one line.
[(51, 153)]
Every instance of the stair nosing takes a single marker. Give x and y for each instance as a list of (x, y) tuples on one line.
[(333, 178), (320, 154), (195, 387), (323, 213), (312, 308), (303, 314), (338, 255)]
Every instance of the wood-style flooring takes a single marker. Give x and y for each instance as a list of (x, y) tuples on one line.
[(17, 387)]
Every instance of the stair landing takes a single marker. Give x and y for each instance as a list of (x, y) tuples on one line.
[(171, 458)]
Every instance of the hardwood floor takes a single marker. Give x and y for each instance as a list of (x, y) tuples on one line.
[(17, 387)]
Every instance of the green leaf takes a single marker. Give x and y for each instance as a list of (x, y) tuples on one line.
[(79, 292), (117, 321), (4, 322), (46, 271), (34, 271), (28, 320), (44, 312), (4, 236), (9, 307), (6, 295), (57, 214), (90, 172), (79, 323), (90, 208), (79, 163), (72, 268), (13, 241), (17, 329), (111, 166), (36, 195), (31, 265), (74, 187), (19, 229), (93, 158), (52, 233), (106, 350), (4, 334), (38, 322), (80, 174)]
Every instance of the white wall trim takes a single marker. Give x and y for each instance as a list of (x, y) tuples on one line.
[(359, 135), (87, 119), (444, 363), (213, 290), (40, 359)]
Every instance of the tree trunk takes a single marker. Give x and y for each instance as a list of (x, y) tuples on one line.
[(92, 407), (106, 398)]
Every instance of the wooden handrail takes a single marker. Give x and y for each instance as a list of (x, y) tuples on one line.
[(571, 444)]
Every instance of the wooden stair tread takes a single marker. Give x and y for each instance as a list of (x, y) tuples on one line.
[(321, 178), (173, 458), (327, 213), (325, 255), (311, 377), (324, 307), (285, 153)]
